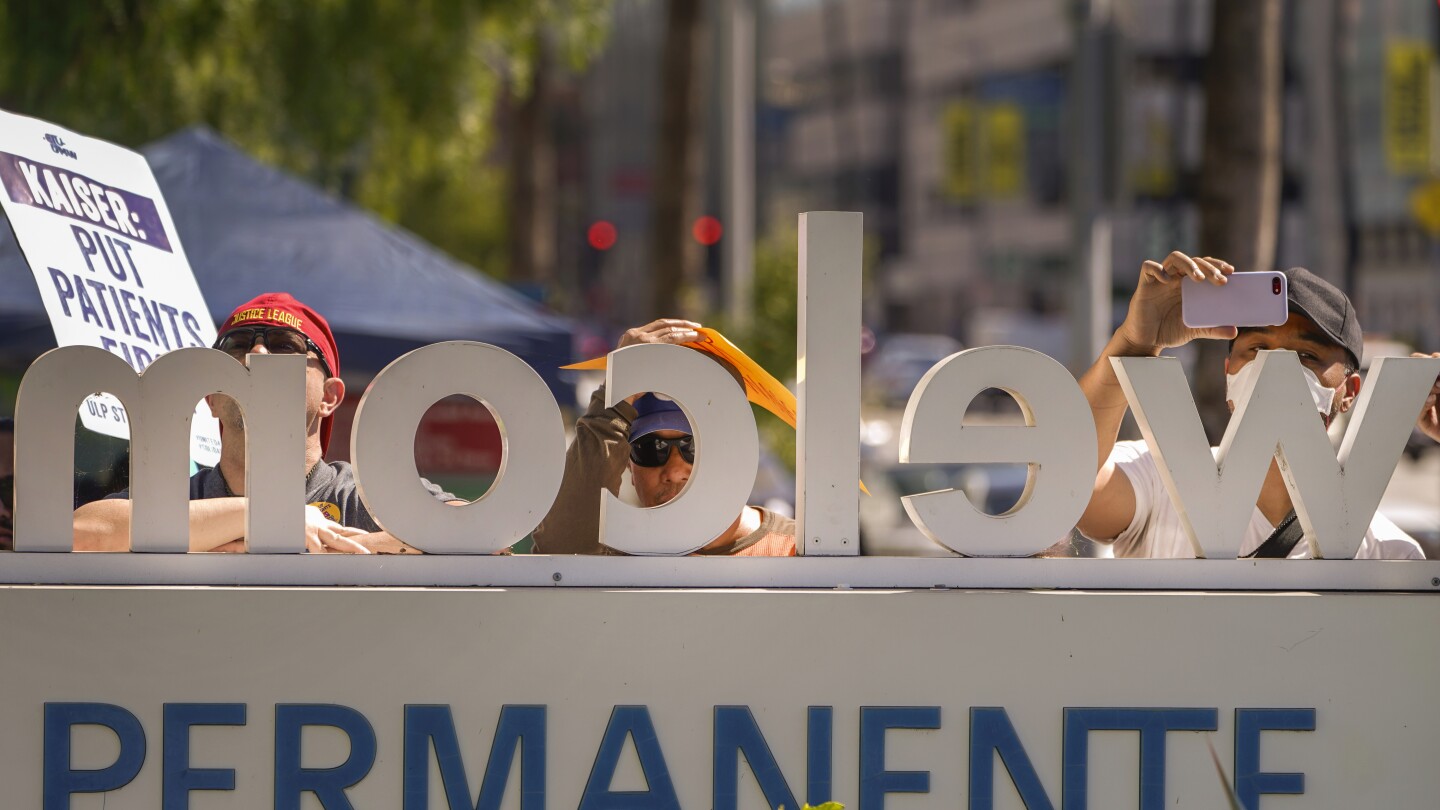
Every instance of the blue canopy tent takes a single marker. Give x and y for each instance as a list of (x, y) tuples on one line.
[(248, 228)]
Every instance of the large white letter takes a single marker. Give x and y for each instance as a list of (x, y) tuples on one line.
[(383, 448), (727, 451), (1058, 438), (1215, 494), (271, 394), (828, 371)]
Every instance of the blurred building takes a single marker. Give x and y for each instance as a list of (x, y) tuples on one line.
[(1392, 103), (946, 122), (950, 124), (621, 96)]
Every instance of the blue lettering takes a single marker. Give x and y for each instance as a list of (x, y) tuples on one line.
[(192, 325), (328, 784), (991, 730), (87, 307), (1250, 781), (736, 733), (99, 288), (520, 728), (1152, 725), (875, 781), (116, 298), (130, 300), (156, 324), (633, 722), (178, 779), (60, 780), (820, 745), (174, 327), (120, 244), (62, 289), (86, 244)]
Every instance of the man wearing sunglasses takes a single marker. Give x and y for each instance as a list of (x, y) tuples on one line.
[(651, 436), (336, 521)]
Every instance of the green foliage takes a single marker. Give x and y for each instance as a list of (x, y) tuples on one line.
[(387, 102), (770, 337)]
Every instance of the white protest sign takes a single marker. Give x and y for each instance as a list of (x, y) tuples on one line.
[(91, 222)]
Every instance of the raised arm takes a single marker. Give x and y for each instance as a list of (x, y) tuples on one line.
[(1152, 324), (596, 459)]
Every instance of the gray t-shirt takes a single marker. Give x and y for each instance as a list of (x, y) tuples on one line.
[(330, 488)]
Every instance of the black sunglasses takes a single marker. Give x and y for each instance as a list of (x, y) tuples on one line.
[(653, 451), (277, 339)]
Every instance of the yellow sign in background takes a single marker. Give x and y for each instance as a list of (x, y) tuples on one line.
[(1408, 74), (984, 150)]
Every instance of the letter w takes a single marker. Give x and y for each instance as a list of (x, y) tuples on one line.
[(1334, 498)]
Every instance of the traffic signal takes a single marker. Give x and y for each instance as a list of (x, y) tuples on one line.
[(601, 235)]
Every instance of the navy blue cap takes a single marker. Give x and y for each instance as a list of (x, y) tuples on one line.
[(657, 414)]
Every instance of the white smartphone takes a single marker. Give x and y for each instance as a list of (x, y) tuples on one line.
[(1247, 299)]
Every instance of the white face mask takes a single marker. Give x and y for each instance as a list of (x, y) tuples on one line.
[(1239, 385)]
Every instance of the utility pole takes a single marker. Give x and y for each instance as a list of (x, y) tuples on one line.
[(1092, 132), (1240, 168), (737, 130)]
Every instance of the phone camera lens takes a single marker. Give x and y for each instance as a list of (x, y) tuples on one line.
[(1275, 286)]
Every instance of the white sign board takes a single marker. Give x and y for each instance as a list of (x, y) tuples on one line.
[(94, 228), (742, 700)]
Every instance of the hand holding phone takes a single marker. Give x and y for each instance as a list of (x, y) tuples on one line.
[(1246, 299)]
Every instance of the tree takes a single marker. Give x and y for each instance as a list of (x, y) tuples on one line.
[(1240, 169), (674, 162), (385, 102)]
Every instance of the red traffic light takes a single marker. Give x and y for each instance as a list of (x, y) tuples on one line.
[(707, 230), (601, 235)]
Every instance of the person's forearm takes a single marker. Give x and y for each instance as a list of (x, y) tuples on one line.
[(386, 543), (215, 522), (595, 459), (105, 525), (1106, 397)]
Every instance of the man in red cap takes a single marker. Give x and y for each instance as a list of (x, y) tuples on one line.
[(336, 519)]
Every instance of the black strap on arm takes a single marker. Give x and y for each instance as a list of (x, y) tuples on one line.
[(1281, 541)]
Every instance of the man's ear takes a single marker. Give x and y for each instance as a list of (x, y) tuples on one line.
[(334, 388), (210, 401), (1350, 391)]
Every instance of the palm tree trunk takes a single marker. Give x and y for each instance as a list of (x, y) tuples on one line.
[(1240, 167), (674, 166)]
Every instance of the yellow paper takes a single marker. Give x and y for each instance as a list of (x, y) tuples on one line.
[(761, 387)]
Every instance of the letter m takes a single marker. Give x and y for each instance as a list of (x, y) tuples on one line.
[(160, 403)]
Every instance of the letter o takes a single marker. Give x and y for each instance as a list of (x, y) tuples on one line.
[(383, 448)]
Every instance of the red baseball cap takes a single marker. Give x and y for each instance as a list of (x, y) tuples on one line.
[(281, 309)]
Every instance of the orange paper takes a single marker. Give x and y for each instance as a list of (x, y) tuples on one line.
[(761, 387)]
